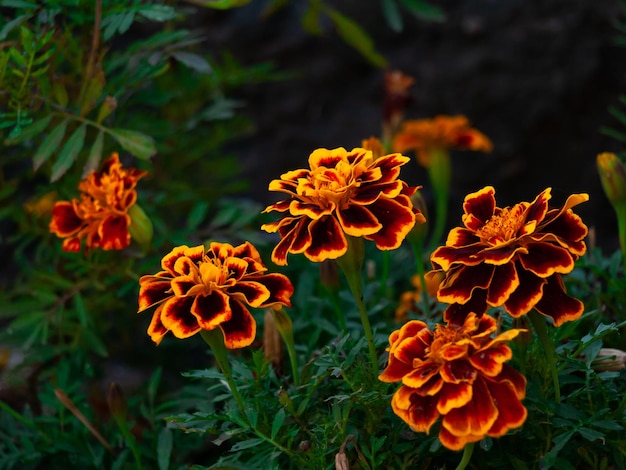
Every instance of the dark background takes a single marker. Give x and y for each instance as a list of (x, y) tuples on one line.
[(536, 76)]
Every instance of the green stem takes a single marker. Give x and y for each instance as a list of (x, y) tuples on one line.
[(351, 264), (418, 253), (285, 328), (467, 455), (621, 227), (549, 349), (439, 172), (215, 339)]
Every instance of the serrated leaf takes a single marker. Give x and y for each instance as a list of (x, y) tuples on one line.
[(590, 434), (246, 444), (60, 93), (68, 153), (49, 144), (355, 36), (17, 57), (17, 4), (164, 448), (193, 61), (392, 15), (311, 20), (95, 155), (140, 145), (92, 93), (31, 131), (424, 10), (220, 4)]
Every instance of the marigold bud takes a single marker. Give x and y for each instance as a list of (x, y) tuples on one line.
[(609, 359), (613, 177), (140, 228), (116, 402)]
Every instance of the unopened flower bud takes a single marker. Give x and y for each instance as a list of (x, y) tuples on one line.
[(609, 359), (140, 228), (106, 108), (613, 177), (272, 342), (116, 402)]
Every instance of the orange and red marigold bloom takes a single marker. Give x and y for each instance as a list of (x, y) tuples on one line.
[(100, 216), (202, 290), (440, 133), (344, 193), (512, 257), (457, 372)]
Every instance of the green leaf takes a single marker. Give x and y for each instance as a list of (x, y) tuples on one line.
[(17, 4), (246, 444), (164, 448), (7, 28), (92, 93), (49, 144), (140, 145), (311, 20), (392, 14), (220, 4), (18, 58), (68, 153), (31, 131), (424, 10), (193, 61), (158, 12), (279, 419), (355, 36), (95, 155), (590, 434)]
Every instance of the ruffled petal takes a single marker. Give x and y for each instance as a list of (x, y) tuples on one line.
[(279, 286), (211, 309), (419, 412), (526, 295), (481, 206), (454, 396), (489, 361), (252, 293), (65, 221), (327, 240), (240, 330), (156, 329), (476, 417), (358, 221), (177, 317), (455, 314), (511, 413), (545, 259), (152, 291), (397, 219), (503, 283), (556, 304), (460, 283)]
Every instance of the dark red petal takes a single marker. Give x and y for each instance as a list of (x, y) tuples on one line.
[(556, 304), (65, 221), (511, 412), (280, 288), (71, 244), (568, 227), (246, 250), (514, 378), (114, 233), (453, 396), (156, 330), (458, 371), (358, 221), (395, 370), (489, 362), (397, 219), (327, 240), (152, 291), (502, 254), (503, 283), (457, 313), (211, 309), (240, 330), (181, 285), (237, 267), (419, 412), (177, 317), (460, 282), (476, 417), (539, 207), (421, 374), (545, 259), (288, 232), (390, 166), (526, 295), (447, 256), (310, 210), (459, 236), (168, 261), (252, 293), (481, 205), (453, 442)]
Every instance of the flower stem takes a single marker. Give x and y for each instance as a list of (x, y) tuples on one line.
[(215, 339), (351, 264), (439, 172), (285, 328), (621, 227), (467, 455), (549, 349)]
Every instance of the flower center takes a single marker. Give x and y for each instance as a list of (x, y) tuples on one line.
[(213, 274), (502, 227), (333, 185), (444, 338)]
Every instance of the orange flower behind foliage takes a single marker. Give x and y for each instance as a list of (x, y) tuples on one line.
[(457, 372), (441, 132), (100, 216), (202, 290), (512, 257), (343, 193)]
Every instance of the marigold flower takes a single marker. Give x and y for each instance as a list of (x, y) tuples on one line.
[(442, 132), (411, 299), (344, 193), (202, 290), (458, 372), (511, 257), (101, 214)]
